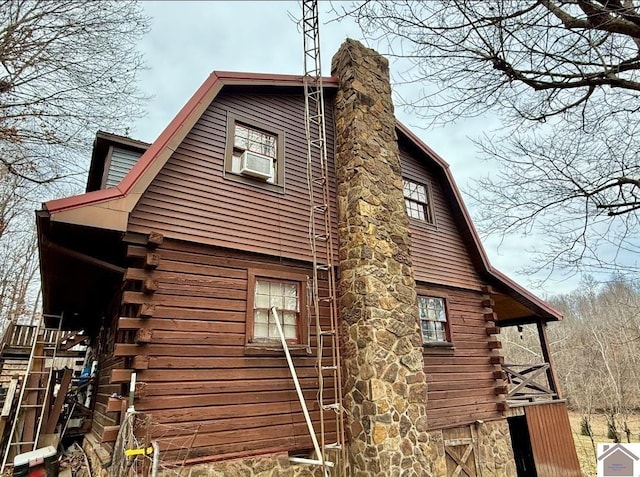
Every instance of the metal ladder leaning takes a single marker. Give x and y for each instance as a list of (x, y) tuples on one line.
[(321, 242), (44, 340)]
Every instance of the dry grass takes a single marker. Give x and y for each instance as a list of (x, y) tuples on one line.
[(586, 454)]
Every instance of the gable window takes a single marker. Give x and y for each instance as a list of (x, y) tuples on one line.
[(254, 152), (433, 320), (287, 293), (418, 201)]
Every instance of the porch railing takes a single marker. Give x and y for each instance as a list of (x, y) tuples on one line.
[(529, 382), (22, 336)]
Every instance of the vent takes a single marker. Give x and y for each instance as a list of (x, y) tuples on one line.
[(256, 165)]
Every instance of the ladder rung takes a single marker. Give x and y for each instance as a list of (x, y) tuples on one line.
[(327, 333), (22, 443), (30, 406), (329, 368), (325, 298), (334, 445), (331, 407), (320, 180), (320, 208), (34, 389), (38, 372), (321, 237), (321, 266)]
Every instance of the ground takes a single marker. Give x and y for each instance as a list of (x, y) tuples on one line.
[(586, 454)]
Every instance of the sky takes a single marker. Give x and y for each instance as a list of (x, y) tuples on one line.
[(189, 40)]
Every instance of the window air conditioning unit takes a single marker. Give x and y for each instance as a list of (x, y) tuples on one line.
[(256, 165)]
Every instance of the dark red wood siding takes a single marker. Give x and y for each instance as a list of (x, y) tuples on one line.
[(190, 199), (438, 252), (461, 386), (200, 375), (199, 335)]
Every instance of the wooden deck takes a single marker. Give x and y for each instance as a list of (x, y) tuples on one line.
[(17, 341)]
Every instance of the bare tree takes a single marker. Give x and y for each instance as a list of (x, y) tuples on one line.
[(66, 69), (563, 77)]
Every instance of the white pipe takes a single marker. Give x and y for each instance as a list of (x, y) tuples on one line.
[(132, 391), (156, 459), (302, 460), (294, 375)]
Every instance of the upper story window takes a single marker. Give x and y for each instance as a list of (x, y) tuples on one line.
[(287, 293), (433, 320), (417, 200), (254, 152)]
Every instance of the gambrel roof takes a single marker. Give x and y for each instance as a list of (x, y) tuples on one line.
[(109, 209)]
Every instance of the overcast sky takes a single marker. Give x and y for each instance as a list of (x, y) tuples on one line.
[(189, 40)]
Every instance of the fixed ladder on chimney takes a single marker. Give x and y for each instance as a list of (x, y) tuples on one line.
[(323, 299), (31, 408)]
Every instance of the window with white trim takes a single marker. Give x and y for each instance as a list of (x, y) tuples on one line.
[(433, 320), (417, 201), (287, 293)]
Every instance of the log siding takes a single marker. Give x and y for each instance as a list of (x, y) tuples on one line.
[(199, 318), (461, 381), (199, 372)]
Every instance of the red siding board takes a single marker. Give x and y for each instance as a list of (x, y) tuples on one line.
[(460, 380), (190, 199)]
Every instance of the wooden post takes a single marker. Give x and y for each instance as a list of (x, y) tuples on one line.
[(57, 405), (546, 354)]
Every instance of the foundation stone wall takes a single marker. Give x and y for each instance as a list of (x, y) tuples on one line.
[(494, 451), (272, 465)]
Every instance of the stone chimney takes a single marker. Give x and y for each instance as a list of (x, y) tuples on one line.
[(385, 389)]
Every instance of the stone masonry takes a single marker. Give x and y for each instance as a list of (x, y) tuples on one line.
[(385, 390)]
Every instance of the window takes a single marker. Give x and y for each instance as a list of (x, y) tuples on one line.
[(433, 320), (287, 293), (261, 146), (417, 201)]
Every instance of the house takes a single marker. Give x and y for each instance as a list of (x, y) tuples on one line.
[(617, 460), (173, 271)]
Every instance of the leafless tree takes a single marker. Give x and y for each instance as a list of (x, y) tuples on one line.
[(67, 68), (18, 254), (563, 77)]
